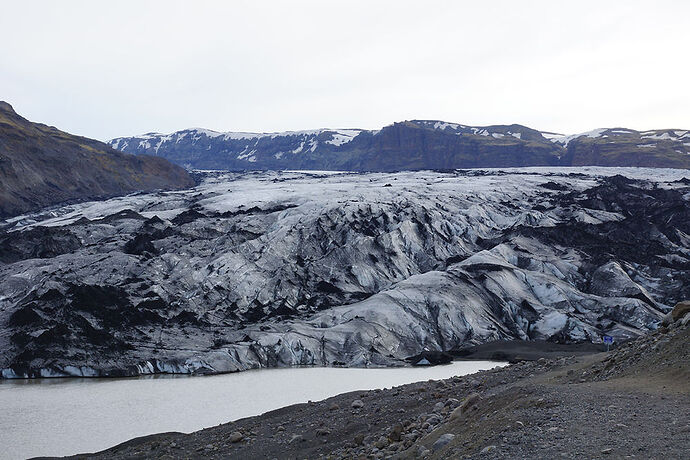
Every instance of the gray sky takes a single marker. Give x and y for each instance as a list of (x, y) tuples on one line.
[(127, 67)]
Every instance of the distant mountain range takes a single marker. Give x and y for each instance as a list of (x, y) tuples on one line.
[(411, 145), (41, 166)]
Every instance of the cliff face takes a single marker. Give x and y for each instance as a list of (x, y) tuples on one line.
[(418, 145), (41, 166), (625, 147), (413, 145)]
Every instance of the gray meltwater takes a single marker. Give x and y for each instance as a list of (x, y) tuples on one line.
[(51, 417)]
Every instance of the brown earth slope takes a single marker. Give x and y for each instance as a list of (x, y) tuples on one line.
[(633, 402), (41, 166)]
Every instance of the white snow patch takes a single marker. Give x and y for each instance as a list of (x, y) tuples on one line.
[(480, 132), (552, 136), (343, 136), (205, 132), (299, 149), (566, 139), (443, 125), (667, 136), (243, 155)]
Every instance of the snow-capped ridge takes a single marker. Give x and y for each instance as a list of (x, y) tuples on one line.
[(415, 144), (657, 134)]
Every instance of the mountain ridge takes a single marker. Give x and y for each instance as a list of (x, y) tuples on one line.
[(414, 144), (42, 166)]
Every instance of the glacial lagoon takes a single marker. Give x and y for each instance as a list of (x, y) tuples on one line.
[(55, 417)]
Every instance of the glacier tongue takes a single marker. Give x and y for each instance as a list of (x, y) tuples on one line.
[(289, 268)]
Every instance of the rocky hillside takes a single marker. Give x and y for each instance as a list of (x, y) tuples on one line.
[(277, 269), (413, 145), (41, 166)]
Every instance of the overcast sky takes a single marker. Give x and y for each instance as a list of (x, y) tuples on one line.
[(127, 67)]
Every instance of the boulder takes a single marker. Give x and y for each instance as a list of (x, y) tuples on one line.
[(681, 309), (236, 437), (395, 433), (442, 441)]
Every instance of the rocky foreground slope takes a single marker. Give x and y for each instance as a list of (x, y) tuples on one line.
[(633, 402), (42, 166), (278, 269), (414, 145)]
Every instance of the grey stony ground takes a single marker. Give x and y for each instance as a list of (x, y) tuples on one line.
[(633, 402)]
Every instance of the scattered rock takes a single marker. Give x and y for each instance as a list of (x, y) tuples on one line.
[(381, 442), (296, 438), (323, 432), (236, 436), (680, 310), (487, 449), (395, 433), (357, 404), (469, 401), (442, 441), (450, 402)]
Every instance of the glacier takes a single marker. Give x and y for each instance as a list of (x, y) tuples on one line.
[(282, 268)]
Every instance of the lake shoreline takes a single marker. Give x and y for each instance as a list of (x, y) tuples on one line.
[(499, 350), (77, 415), (573, 407)]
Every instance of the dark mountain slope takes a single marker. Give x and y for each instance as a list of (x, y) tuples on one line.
[(41, 166)]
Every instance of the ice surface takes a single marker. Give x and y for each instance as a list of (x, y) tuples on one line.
[(389, 262)]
